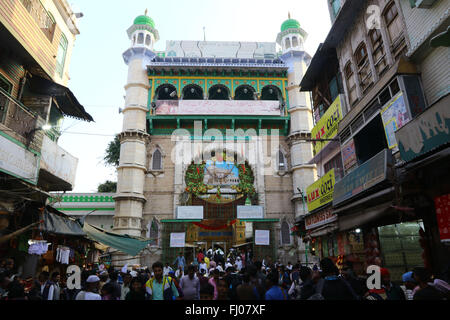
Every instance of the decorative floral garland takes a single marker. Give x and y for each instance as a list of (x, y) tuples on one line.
[(246, 180), (215, 228), (195, 176)]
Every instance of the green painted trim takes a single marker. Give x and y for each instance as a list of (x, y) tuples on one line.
[(228, 117), (20, 144), (181, 220), (21, 178), (86, 209), (260, 220)]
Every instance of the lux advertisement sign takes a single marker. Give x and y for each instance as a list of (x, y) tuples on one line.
[(321, 192), (363, 178), (327, 127)]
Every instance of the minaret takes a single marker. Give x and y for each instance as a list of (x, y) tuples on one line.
[(291, 39), (130, 198)]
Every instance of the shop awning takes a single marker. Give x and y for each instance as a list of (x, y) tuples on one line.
[(66, 100), (324, 230), (60, 224), (125, 243), (242, 244), (352, 221)]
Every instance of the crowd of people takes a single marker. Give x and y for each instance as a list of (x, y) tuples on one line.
[(214, 276)]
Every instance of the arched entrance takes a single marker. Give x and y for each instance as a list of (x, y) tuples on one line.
[(219, 184)]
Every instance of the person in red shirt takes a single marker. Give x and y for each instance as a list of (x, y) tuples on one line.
[(200, 256)]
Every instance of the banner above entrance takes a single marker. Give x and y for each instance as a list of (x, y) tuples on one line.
[(250, 212), (190, 212)]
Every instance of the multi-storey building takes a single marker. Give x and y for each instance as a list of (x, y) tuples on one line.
[(36, 40), (238, 93), (389, 78)]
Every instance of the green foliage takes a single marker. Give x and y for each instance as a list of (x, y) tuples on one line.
[(246, 180), (112, 155), (194, 179), (108, 186)]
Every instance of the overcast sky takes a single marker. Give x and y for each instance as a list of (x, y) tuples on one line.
[(98, 73)]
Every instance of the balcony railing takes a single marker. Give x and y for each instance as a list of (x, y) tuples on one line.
[(41, 16), (15, 115)]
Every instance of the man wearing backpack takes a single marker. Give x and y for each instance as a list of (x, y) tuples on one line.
[(161, 287)]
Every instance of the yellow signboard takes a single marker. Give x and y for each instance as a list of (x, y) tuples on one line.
[(321, 192), (327, 127)]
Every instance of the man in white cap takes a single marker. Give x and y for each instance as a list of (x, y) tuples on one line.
[(91, 292)]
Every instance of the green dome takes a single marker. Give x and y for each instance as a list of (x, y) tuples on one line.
[(144, 20), (290, 24)]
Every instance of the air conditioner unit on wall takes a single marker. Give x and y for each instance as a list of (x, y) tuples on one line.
[(425, 4)]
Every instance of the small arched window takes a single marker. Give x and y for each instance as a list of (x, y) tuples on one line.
[(157, 160), (288, 43), (154, 232), (140, 38), (285, 233), (218, 92), (166, 92), (281, 161), (245, 92), (148, 40), (192, 92), (294, 42)]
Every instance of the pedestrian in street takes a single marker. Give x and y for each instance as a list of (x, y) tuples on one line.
[(16, 291), (200, 256), (410, 284), (161, 287), (330, 286), (190, 284), (179, 273), (358, 285), (91, 291), (167, 269), (239, 264), (180, 261), (136, 292), (246, 290), (47, 287), (206, 292), (177, 285), (426, 291), (275, 292), (113, 280), (214, 282), (4, 282), (393, 291), (56, 279), (203, 265), (289, 267), (222, 289), (107, 292), (125, 286)]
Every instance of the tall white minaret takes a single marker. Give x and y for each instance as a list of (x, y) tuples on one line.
[(291, 39), (130, 198)]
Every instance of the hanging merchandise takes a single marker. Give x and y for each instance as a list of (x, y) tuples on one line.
[(62, 254), (39, 247)]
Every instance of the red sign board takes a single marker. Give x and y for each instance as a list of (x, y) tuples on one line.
[(320, 218), (442, 205)]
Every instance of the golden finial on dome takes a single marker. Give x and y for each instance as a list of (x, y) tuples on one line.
[(146, 11), (289, 15)]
